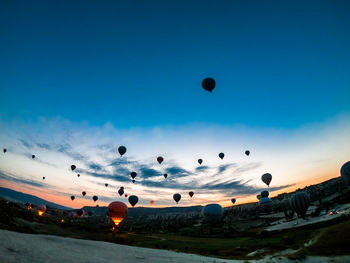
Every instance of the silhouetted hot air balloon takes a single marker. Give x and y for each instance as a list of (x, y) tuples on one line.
[(133, 199), (106, 185), (117, 211), (160, 159), (41, 209), (247, 152), (33, 156), (221, 155), (200, 161), (78, 175), (300, 203), (212, 213), (266, 178), (95, 197), (265, 193), (43, 177), (265, 204), (133, 175), (151, 202), (233, 200), (5, 150), (73, 167), (133, 181), (208, 84), (126, 195), (191, 194), (122, 150), (258, 197), (165, 176), (121, 191), (177, 197), (345, 172), (72, 197), (83, 193), (80, 212)]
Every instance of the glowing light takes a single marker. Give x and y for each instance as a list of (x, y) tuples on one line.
[(62, 220), (117, 220), (40, 213)]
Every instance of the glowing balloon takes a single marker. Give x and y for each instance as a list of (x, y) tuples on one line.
[(117, 211), (151, 202), (41, 209)]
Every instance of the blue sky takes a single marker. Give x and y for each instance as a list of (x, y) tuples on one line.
[(132, 70)]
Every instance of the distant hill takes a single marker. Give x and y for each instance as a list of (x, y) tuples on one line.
[(146, 211), (20, 197)]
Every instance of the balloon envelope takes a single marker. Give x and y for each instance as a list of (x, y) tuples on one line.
[(133, 175), (233, 200), (95, 197), (83, 193), (73, 167), (208, 84), (106, 185), (221, 155), (191, 194), (133, 199), (41, 209), (212, 213), (266, 178), (165, 175), (117, 211), (265, 193), (345, 172), (247, 152), (177, 197), (122, 150), (80, 212), (300, 203), (151, 202), (160, 159), (121, 191), (43, 177), (33, 156), (72, 197), (5, 150), (265, 204), (200, 161)]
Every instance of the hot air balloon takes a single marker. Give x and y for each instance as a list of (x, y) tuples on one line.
[(165, 176), (266, 178), (233, 200), (117, 211), (247, 152), (5, 150), (78, 175), (212, 213), (133, 199), (133, 175), (151, 202), (126, 195), (345, 172), (72, 197), (33, 156), (191, 194), (95, 197), (177, 197), (258, 197), (83, 193), (80, 212), (41, 209), (208, 84), (160, 159), (122, 150), (28, 206), (221, 155), (265, 204), (300, 203), (106, 185), (43, 177), (133, 181), (265, 193), (121, 191), (73, 167), (200, 161)]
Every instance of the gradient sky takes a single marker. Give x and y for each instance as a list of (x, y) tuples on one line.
[(79, 79)]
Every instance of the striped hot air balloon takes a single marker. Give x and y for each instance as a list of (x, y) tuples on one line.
[(300, 203)]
